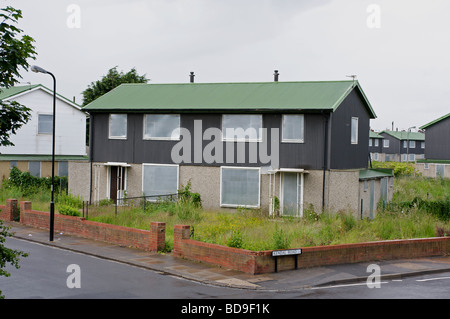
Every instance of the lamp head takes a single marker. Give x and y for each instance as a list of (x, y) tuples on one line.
[(38, 69)]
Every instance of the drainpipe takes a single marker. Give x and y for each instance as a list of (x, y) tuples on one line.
[(326, 117), (91, 152)]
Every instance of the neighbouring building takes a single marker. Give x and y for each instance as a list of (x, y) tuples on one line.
[(278, 146), (32, 148), (402, 146), (437, 152), (376, 147)]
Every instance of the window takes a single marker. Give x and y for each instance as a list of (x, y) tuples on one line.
[(365, 185), (242, 127), (162, 126), (422, 144), (411, 157), (293, 128), (376, 142), (375, 156), (425, 166), (45, 124), (159, 180), (412, 144), (370, 141), (12, 164), (439, 170), (405, 144), (63, 168), (35, 169), (239, 187), (117, 126), (386, 143), (354, 137)]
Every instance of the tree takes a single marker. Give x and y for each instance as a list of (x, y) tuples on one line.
[(15, 50), (109, 82)]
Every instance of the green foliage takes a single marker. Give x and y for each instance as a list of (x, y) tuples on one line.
[(29, 184), (185, 194), (68, 210), (236, 239), (280, 239), (111, 80), (15, 51), (400, 168), (8, 255)]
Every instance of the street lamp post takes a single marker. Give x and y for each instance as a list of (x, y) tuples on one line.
[(38, 69)]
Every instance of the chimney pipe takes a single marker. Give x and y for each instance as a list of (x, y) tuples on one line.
[(192, 77), (276, 74)]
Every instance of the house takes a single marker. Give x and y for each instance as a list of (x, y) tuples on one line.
[(402, 146), (437, 152), (277, 146), (376, 147), (32, 148)]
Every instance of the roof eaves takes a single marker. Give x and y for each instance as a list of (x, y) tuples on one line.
[(435, 121)]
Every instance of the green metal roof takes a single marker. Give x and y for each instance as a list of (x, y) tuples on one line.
[(435, 121), (257, 97), (15, 90), (7, 93), (374, 135), (375, 173), (403, 135), (13, 157)]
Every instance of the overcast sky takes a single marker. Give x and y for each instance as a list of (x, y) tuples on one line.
[(399, 49)]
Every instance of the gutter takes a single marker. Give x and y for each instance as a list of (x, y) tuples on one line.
[(326, 117)]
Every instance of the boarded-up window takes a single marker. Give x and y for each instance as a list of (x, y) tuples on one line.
[(240, 186)]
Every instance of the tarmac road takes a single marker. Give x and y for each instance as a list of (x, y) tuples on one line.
[(45, 274)]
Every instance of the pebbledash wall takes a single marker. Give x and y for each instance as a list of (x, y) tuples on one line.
[(253, 262), (342, 189)]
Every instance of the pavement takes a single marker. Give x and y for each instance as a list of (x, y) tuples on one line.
[(291, 280)]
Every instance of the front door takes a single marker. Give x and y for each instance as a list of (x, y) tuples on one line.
[(117, 183), (291, 194)]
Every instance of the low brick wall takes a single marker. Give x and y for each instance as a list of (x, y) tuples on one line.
[(262, 261), (148, 240), (9, 211)]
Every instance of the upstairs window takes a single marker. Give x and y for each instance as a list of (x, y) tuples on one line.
[(386, 143), (354, 136), (376, 142), (117, 126), (412, 144), (422, 144), (45, 124), (242, 128), (293, 128), (162, 126)]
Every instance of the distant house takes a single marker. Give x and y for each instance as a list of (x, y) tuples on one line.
[(402, 146), (33, 141), (277, 146), (376, 147), (437, 152)]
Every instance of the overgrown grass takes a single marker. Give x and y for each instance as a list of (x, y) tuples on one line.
[(254, 230)]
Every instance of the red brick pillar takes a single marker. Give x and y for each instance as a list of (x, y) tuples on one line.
[(180, 232), (10, 213), (24, 206), (158, 236)]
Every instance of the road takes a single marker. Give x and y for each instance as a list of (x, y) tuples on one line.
[(48, 273)]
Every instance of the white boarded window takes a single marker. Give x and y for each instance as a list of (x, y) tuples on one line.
[(354, 137), (376, 142), (240, 187), (162, 126), (34, 168), (159, 180), (118, 126), (412, 144), (293, 128), (386, 143), (45, 124), (241, 127)]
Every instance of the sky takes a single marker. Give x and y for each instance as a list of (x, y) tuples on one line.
[(398, 49)]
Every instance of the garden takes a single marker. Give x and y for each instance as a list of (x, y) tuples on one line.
[(420, 209)]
